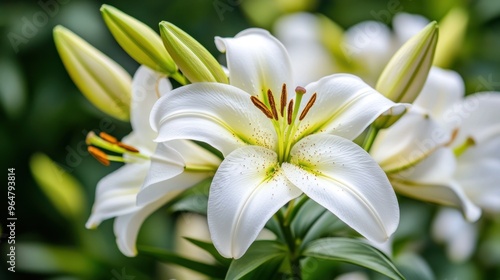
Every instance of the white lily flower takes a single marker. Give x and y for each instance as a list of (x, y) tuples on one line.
[(458, 235), (116, 194), (367, 46), (449, 153), (277, 147)]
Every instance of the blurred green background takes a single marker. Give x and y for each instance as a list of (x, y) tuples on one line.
[(41, 110)]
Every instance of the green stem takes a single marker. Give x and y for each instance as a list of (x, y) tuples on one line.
[(370, 138), (290, 241), (181, 79)]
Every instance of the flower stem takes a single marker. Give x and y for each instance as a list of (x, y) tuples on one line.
[(180, 78), (290, 240), (370, 138)]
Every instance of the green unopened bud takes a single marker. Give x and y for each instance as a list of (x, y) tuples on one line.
[(140, 41), (404, 76), (103, 82), (453, 27), (62, 189), (195, 62), (331, 35)]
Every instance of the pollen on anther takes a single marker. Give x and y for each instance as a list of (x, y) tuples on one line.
[(309, 104), (283, 99), (272, 104), (127, 147), (98, 155), (261, 106), (289, 112), (108, 138)]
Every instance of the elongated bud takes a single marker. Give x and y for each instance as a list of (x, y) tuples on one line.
[(62, 189), (453, 27), (140, 41), (101, 80), (404, 76), (195, 62)]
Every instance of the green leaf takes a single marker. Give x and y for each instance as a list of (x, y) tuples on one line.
[(194, 199), (352, 251), (262, 261), (210, 248), (314, 221), (40, 258), (413, 267), (173, 258)]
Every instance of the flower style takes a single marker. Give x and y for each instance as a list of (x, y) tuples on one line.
[(446, 151), (276, 148), (178, 165)]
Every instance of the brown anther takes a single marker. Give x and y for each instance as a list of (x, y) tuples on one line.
[(261, 106), (300, 90), (454, 135), (283, 100), (309, 104), (127, 147), (272, 104), (108, 138), (289, 112), (99, 155)]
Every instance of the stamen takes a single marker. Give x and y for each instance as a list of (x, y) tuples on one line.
[(88, 139), (108, 138), (272, 104), (300, 90), (454, 135), (261, 106), (469, 142), (309, 104), (127, 147), (283, 99), (289, 112), (98, 155)]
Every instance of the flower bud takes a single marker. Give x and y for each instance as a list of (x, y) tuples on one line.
[(138, 40), (453, 27), (103, 82), (62, 189), (195, 62), (404, 76)]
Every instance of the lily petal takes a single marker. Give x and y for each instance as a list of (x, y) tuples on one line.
[(167, 172), (218, 114), (477, 172), (147, 87), (431, 180), (345, 106), (116, 193), (344, 179), (478, 116), (411, 139), (369, 43), (406, 25), (126, 227), (443, 89), (257, 62), (246, 191), (459, 235)]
